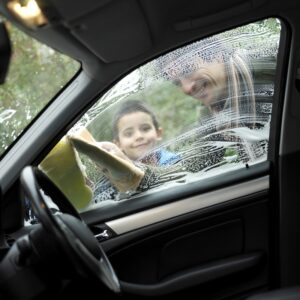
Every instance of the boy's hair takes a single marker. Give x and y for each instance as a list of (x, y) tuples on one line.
[(128, 107)]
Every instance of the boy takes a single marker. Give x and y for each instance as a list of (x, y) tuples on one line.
[(136, 132)]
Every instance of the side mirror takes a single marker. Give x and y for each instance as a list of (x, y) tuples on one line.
[(5, 52)]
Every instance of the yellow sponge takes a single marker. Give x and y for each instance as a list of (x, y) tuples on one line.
[(63, 166)]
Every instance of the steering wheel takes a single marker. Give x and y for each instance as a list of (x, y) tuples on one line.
[(71, 234)]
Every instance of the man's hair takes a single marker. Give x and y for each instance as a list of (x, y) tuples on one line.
[(129, 107), (185, 60)]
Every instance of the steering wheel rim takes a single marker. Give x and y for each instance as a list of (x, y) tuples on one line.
[(71, 234)]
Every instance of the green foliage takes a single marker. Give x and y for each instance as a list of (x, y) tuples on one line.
[(175, 110), (230, 152), (36, 74)]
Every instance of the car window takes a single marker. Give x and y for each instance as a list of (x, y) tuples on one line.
[(36, 74), (198, 111)]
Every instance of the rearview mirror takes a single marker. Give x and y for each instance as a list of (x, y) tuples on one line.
[(5, 52)]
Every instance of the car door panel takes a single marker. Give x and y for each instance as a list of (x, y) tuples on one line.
[(224, 249), (207, 273)]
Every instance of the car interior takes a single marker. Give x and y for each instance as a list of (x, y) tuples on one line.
[(215, 215)]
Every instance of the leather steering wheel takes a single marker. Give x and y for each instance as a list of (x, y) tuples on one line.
[(71, 234)]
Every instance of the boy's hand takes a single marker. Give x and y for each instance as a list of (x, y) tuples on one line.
[(116, 166), (113, 149)]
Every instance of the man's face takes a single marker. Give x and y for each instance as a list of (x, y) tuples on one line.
[(206, 84)]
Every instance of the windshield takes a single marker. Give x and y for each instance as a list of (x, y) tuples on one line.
[(36, 74)]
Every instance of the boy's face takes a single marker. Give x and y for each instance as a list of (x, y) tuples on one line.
[(137, 134)]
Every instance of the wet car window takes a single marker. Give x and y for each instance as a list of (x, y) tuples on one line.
[(33, 80), (198, 111)]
